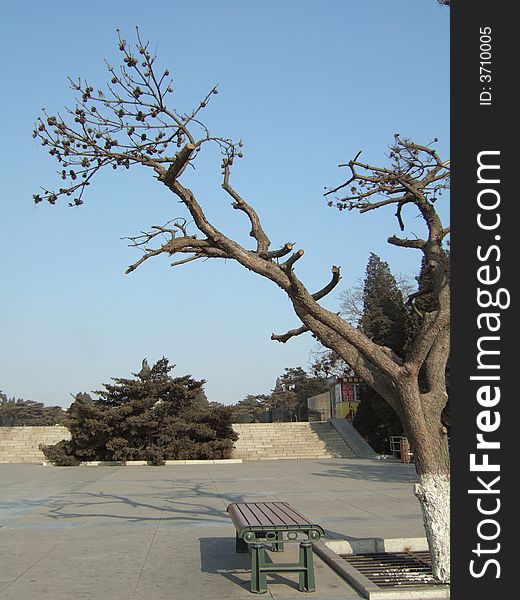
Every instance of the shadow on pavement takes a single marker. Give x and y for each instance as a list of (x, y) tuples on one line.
[(217, 555), (388, 472), (170, 506)]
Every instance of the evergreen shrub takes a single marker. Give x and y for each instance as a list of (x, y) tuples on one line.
[(151, 417)]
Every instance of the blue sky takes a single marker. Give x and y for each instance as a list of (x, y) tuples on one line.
[(304, 84)]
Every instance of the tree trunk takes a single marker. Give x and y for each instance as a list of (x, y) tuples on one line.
[(429, 444)]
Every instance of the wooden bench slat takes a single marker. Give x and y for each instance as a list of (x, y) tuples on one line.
[(243, 516), (256, 517), (266, 514), (275, 517), (237, 516), (292, 514), (260, 514)]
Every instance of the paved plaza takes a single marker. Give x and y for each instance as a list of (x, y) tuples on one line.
[(162, 533)]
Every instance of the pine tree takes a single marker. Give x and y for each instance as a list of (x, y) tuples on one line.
[(250, 409), (28, 413), (384, 312), (384, 320), (151, 417)]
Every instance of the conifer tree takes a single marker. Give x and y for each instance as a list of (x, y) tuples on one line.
[(28, 413), (152, 417), (384, 321)]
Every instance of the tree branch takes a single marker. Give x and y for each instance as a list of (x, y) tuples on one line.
[(406, 243), (277, 253), (257, 232), (290, 334), (330, 286), (129, 124), (177, 167), (288, 264)]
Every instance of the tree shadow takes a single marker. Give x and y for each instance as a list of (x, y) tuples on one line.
[(165, 507), (370, 470)]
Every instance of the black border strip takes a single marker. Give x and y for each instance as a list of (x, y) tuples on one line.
[(484, 119)]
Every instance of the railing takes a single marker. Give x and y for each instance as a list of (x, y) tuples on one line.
[(400, 448)]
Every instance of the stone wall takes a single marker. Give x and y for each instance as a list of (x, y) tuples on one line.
[(319, 407), (20, 444)]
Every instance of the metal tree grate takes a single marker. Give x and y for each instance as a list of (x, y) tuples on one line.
[(394, 569)]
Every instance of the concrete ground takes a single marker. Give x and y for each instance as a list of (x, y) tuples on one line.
[(162, 533)]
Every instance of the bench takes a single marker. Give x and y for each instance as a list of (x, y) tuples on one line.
[(274, 523)]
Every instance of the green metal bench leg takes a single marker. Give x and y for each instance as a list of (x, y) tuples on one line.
[(278, 545), (240, 545), (307, 582), (258, 577)]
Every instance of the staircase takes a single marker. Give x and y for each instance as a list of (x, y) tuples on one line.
[(270, 441)]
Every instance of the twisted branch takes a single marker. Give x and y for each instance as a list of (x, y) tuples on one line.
[(257, 232), (330, 286)]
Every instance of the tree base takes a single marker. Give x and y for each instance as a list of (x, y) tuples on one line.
[(433, 492)]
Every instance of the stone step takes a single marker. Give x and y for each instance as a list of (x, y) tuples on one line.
[(289, 440), (299, 438), (303, 440), (286, 445)]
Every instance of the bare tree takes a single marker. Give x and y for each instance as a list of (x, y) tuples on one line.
[(130, 123)]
